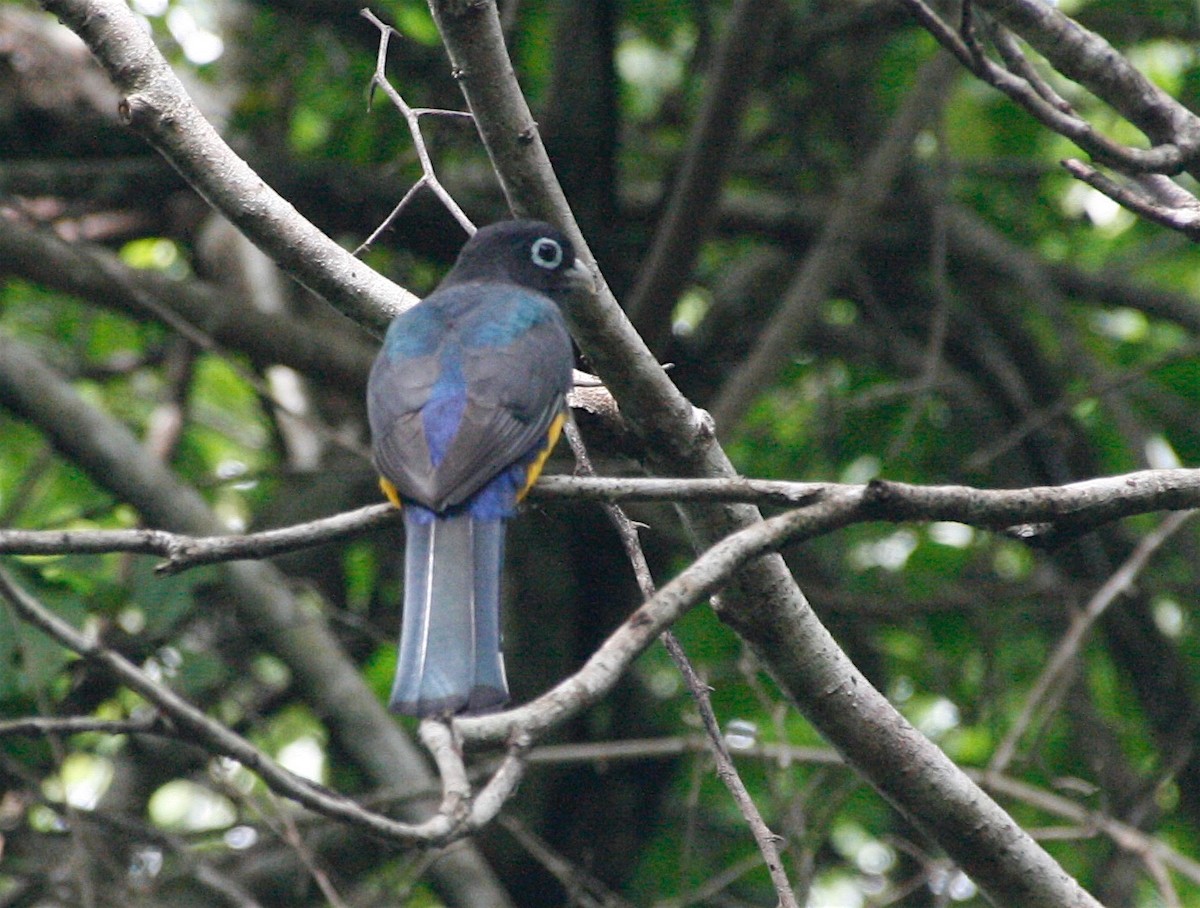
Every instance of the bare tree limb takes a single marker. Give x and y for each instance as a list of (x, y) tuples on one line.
[(1181, 212), (1035, 511), (1087, 58), (708, 573), (1091, 61), (73, 725), (93, 273), (214, 735)]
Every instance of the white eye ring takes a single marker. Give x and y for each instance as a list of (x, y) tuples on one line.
[(546, 253)]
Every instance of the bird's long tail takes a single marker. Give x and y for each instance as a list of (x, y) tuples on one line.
[(450, 659)]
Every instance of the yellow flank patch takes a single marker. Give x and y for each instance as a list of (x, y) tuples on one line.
[(390, 491), (535, 468)]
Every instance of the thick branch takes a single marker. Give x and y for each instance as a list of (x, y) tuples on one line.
[(475, 42), (95, 274)]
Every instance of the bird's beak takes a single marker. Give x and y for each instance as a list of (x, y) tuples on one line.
[(579, 277)]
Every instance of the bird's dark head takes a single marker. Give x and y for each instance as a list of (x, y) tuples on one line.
[(529, 253)]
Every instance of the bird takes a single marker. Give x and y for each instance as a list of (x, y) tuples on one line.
[(465, 400)]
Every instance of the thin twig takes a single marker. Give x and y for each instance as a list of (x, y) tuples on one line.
[(767, 841), (1182, 217), (582, 888), (38, 726), (412, 116)]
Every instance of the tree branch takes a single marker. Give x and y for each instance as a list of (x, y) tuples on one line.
[(1067, 651), (1034, 514), (93, 273), (412, 118), (1180, 210), (1086, 57), (156, 105)]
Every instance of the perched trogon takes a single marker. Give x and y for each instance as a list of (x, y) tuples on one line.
[(465, 400)]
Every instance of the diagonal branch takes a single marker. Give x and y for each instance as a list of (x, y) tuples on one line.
[(1067, 651), (1088, 59), (762, 602), (156, 106), (93, 273), (1159, 200)]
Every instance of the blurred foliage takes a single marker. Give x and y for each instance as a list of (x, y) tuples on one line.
[(1051, 369)]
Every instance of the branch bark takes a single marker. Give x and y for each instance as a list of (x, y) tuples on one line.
[(95, 274), (1087, 58), (1034, 514)]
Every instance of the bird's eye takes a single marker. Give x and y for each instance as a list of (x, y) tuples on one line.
[(546, 253)]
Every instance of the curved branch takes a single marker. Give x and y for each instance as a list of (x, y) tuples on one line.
[(1179, 210), (704, 576)]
